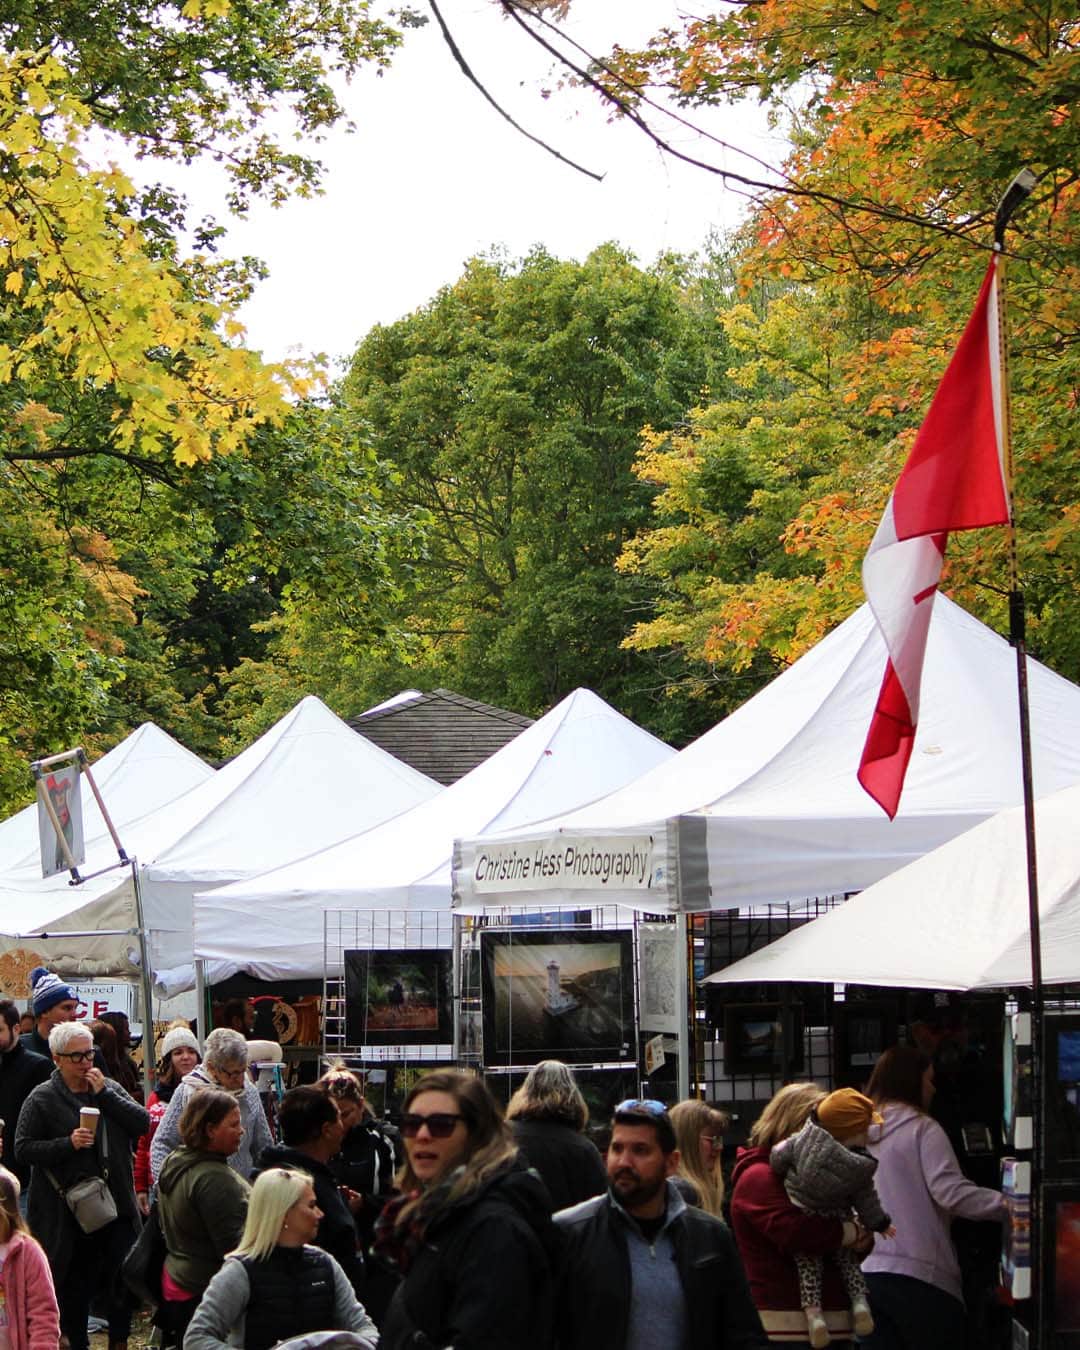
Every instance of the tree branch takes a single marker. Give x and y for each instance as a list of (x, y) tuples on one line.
[(466, 70)]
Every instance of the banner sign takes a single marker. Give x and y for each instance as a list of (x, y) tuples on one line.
[(99, 996), (623, 862), (64, 794)]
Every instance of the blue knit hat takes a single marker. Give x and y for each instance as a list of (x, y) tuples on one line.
[(47, 990)]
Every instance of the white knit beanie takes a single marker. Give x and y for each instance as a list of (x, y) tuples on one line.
[(175, 1037)]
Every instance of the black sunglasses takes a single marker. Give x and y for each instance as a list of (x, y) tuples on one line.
[(440, 1124)]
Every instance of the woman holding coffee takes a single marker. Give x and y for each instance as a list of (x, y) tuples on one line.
[(78, 1125), (472, 1233)]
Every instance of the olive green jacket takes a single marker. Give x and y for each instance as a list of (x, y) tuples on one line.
[(202, 1204)]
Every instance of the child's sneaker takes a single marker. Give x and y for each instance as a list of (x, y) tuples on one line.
[(862, 1317), (818, 1329)]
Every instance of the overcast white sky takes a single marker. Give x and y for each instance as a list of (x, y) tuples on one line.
[(432, 176)]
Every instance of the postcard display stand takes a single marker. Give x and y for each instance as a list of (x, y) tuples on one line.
[(1017, 1130), (411, 990)]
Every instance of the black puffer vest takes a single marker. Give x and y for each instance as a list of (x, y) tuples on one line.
[(292, 1293)]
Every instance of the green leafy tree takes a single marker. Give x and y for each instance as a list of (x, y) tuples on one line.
[(511, 407)]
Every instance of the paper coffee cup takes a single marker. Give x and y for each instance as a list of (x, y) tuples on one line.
[(89, 1117)]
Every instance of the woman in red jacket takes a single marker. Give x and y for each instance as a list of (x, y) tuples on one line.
[(179, 1055), (769, 1229), (29, 1314)]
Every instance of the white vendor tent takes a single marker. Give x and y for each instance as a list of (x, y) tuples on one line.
[(142, 780), (955, 919), (305, 783), (308, 782), (145, 771), (273, 925), (766, 807)]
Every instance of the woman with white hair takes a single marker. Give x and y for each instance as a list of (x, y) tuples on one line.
[(547, 1115), (54, 1139), (276, 1286), (225, 1063)]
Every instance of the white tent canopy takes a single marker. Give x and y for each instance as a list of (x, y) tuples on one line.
[(955, 919), (273, 925), (145, 771), (141, 780), (306, 783), (766, 807)]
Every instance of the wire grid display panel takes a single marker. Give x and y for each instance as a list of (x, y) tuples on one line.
[(526, 919), (378, 931), (720, 939)]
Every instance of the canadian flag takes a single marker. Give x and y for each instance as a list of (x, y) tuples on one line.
[(954, 479)]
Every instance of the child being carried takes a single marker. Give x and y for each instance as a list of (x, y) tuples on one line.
[(827, 1170)]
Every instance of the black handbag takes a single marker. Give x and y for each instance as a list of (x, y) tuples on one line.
[(142, 1266)]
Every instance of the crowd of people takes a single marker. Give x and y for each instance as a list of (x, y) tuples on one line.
[(466, 1226)]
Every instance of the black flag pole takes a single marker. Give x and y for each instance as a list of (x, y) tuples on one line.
[(1017, 192)]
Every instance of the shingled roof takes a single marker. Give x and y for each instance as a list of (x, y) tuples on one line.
[(442, 734)]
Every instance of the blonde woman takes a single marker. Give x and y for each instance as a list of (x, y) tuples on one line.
[(471, 1234), (547, 1115), (769, 1229), (699, 1133), (275, 1286)]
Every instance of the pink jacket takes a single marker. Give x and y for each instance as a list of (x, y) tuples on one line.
[(923, 1189), (33, 1317)]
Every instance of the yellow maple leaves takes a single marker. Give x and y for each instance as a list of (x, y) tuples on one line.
[(96, 306)]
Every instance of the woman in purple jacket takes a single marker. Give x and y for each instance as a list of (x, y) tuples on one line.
[(914, 1279)]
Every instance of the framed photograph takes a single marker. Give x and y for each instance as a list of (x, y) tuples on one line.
[(762, 1039), (1061, 1264), (862, 1030), (398, 997), (1061, 1068), (816, 1000), (557, 995)]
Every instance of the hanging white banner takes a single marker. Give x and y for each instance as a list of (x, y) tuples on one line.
[(61, 788)]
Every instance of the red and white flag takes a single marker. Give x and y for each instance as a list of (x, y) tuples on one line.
[(954, 479)]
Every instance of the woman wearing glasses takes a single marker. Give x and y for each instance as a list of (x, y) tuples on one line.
[(52, 1138), (224, 1066), (471, 1233), (699, 1133)]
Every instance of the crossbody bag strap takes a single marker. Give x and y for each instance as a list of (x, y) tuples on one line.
[(102, 1137)]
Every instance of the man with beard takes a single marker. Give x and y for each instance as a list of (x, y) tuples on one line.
[(20, 1072), (642, 1268)]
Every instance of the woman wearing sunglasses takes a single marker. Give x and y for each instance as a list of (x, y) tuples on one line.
[(699, 1133), (471, 1233), (53, 1138)]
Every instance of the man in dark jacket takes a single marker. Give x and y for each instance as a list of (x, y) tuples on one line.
[(20, 1072), (311, 1131), (52, 1001), (642, 1269)]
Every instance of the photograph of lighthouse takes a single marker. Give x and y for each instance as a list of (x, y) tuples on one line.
[(557, 995)]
